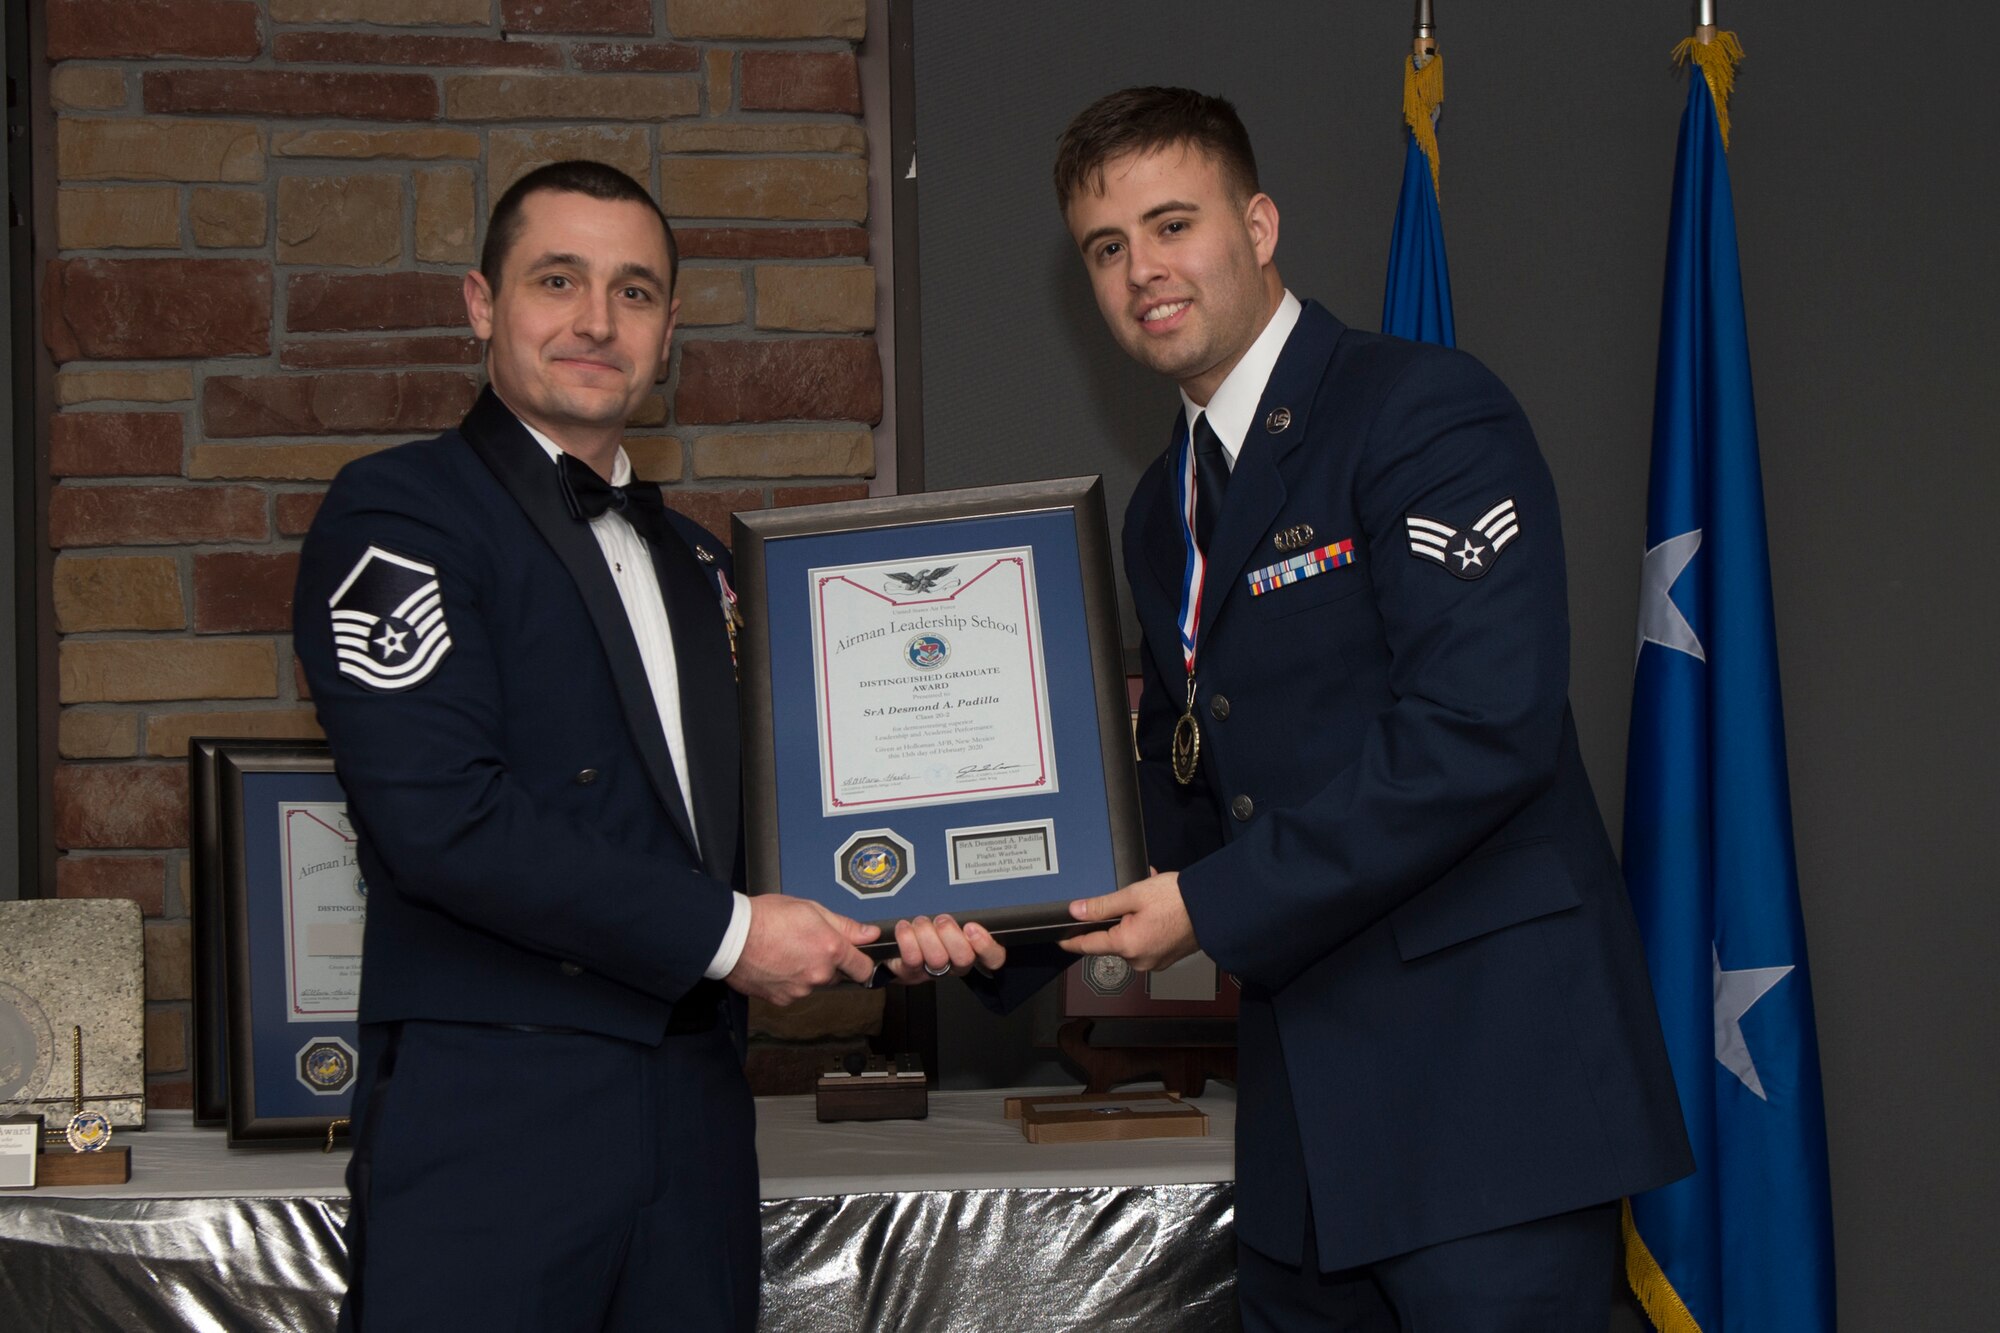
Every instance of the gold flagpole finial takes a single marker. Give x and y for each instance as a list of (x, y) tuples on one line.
[(1717, 53), (1423, 87)]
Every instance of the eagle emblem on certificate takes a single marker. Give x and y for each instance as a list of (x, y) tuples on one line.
[(916, 582), (1470, 553), (931, 682), (389, 631)]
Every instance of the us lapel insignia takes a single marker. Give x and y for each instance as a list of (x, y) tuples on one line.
[(1295, 538), (1279, 421), (389, 631), (1468, 554), (703, 554)]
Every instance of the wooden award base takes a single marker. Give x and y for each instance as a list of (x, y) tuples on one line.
[(109, 1166), (872, 1089), (1094, 1118), (1182, 1069)]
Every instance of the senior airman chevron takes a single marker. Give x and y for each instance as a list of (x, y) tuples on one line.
[(389, 631), (1472, 557), (1300, 567)]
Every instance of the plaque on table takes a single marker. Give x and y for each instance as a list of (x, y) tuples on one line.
[(73, 970), (934, 707), (1103, 1117)]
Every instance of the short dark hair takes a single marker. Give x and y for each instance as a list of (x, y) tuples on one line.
[(594, 179), (1142, 120)]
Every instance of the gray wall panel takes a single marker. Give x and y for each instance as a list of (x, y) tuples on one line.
[(1862, 166)]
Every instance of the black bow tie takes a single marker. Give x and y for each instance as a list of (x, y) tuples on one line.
[(587, 496)]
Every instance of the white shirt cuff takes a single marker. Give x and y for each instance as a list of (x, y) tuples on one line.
[(733, 940)]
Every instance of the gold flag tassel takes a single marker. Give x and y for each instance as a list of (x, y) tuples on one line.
[(1662, 1304), (1423, 98), (1718, 54)]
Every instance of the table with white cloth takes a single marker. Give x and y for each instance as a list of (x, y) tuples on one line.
[(954, 1223)]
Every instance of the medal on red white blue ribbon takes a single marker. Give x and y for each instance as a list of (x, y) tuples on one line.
[(1187, 732), (732, 616)]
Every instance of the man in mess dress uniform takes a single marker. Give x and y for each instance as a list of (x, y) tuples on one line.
[(524, 664), (1360, 778)]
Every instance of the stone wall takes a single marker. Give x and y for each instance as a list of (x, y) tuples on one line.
[(262, 215)]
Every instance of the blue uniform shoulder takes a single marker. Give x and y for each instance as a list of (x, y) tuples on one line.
[(435, 459), (1390, 363), (440, 481)]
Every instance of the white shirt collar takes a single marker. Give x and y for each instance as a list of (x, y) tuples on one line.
[(1235, 401), (621, 467)]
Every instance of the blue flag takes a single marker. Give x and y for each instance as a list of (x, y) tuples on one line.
[(1746, 1243), (1416, 300)]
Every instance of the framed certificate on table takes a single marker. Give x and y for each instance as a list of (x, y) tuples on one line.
[(206, 763), (293, 906), (934, 709)]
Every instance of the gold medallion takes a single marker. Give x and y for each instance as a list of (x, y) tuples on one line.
[(1187, 740)]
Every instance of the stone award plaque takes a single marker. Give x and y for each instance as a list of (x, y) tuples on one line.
[(67, 964)]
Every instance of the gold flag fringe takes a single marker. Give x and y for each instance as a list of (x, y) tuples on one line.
[(1718, 59), (1657, 1296), (1423, 94)]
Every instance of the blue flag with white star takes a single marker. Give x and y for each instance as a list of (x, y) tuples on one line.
[(1416, 299), (1746, 1243)]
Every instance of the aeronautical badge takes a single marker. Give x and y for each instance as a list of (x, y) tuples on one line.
[(1295, 538), (327, 1066), (389, 631), (1471, 553)]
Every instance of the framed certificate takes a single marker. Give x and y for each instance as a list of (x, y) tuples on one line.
[(934, 712), (293, 906), (210, 1044)]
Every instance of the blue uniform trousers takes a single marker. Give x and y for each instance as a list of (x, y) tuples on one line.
[(1554, 1275), (535, 1179)]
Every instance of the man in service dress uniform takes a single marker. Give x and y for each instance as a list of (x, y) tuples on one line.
[(523, 663), (1360, 779)]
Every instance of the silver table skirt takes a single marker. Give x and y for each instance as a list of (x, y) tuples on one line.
[(954, 1224)]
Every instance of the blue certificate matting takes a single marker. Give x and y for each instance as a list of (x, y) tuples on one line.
[(1076, 811), (276, 1040)]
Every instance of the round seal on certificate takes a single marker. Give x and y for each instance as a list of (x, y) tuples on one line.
[(327, 1066), (1107, 974), (874, 863), (927, 651)]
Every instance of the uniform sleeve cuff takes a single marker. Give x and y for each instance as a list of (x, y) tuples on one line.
[(731, 948)]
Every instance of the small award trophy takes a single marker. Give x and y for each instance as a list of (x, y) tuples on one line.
[(872, 1088), (91, 1159)]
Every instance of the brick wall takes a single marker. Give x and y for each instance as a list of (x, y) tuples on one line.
[(263, 211)]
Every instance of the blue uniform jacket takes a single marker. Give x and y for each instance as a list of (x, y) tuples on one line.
[(1391, 841), (526, 846)]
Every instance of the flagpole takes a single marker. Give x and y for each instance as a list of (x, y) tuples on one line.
[(1704, 21), (1416, 300)]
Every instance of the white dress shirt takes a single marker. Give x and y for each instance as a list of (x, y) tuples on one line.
[(631, 565), (1235, 400)]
